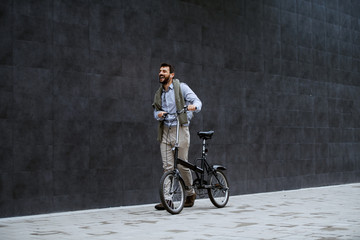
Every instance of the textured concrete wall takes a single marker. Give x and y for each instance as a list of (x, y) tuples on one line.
[(279, 81)]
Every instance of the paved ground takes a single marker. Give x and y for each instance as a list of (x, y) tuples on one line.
[(315, 213)]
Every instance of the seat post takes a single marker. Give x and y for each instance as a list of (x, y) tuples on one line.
[(203, 156), (203, 147)]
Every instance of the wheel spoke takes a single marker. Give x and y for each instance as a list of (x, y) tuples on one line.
[(172, 193), (219, 192)]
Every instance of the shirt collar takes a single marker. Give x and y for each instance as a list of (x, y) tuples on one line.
[(171, 87)]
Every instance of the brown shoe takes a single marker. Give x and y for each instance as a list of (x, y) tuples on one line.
[(190, 200), (161, 207)]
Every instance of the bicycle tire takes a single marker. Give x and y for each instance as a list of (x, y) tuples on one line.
[(172, 192), (219, 192)]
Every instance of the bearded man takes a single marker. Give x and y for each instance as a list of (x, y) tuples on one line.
[(172, 96)]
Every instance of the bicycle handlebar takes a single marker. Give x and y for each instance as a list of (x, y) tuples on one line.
[(184, 109)]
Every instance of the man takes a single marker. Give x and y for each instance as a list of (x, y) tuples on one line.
[(171, 96)]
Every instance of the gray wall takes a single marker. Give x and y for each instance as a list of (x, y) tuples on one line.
[(279, 81)]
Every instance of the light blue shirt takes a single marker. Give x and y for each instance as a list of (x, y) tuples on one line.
[(168, 103)]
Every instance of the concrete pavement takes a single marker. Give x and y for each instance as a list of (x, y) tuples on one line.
[(331, 212)]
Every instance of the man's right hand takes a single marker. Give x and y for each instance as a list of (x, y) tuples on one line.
[(162, 114)]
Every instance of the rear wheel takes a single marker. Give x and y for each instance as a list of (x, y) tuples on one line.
[(172, 192), (219, 190)]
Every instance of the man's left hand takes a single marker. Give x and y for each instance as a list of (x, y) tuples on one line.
[(191, 107)]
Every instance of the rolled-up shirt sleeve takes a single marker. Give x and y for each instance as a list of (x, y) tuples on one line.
[(190, 97)]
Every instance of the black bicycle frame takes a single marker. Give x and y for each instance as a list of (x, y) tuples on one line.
[(198, 170), (204, 165)]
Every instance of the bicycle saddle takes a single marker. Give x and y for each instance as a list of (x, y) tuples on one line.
[(205, 135)]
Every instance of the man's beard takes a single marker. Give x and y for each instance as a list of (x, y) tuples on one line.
[(165, 81)]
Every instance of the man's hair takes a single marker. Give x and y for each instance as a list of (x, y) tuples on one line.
[(172, 69)]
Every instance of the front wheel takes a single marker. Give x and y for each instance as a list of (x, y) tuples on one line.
[(172, 192), (219, 190)]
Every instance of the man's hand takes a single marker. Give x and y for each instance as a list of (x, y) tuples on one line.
[(191, 108), (162, 114)]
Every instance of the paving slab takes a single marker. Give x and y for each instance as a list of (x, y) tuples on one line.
[(331, 212)]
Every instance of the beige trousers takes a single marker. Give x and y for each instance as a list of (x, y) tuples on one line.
[(167, 154)]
